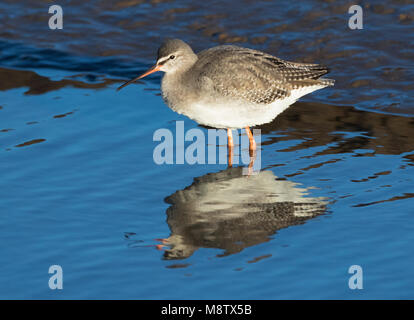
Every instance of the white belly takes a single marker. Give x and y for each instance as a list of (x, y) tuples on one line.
[(234, 114)]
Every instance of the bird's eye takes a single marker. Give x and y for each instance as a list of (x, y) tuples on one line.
[(172, 56)]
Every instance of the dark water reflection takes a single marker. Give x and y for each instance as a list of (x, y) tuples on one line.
[(343, 130), (36, 84), (231, 211)]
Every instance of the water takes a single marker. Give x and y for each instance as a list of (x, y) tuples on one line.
[(80, 188)]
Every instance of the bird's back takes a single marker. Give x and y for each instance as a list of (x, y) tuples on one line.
[(252, 75)]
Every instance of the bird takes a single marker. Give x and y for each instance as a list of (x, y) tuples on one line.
[(231, 87)]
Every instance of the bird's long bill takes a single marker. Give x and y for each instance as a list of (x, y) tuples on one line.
[(149, 71)]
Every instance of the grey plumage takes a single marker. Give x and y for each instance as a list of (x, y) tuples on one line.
[(173, 45), (248, 74), (214, 212), (230, 86)]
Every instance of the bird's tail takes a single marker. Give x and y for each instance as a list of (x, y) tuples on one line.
[(326, 82), (321, 83)]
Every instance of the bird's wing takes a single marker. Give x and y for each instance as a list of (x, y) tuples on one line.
[(252, 75)]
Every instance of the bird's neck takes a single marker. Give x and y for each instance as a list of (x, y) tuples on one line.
[(178, 84)]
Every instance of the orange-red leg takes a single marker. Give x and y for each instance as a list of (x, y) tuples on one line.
[(252, 150), (230, 146), (252, 143), (251, 163), (161, 246)]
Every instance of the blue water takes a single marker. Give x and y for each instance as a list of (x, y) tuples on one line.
[(79, 188), (71, 199)]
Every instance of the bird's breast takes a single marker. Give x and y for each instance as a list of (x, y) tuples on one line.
[(178, 93)]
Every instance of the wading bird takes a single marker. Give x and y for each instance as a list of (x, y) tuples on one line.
[(231, 87)]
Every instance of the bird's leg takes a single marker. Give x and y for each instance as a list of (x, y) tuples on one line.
[(251, 164), (161, 246), (252, 143), (230, 146), (252, 150)]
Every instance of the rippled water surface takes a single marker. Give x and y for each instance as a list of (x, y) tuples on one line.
[(79, 187)]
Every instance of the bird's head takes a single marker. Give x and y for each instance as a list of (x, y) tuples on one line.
[(174, 55)]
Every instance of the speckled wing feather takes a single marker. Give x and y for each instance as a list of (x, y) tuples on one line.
[(252, 75)]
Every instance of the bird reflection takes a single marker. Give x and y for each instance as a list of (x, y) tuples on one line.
[(231, 211)]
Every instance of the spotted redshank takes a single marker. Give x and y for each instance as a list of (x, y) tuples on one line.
[(232, 87)]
